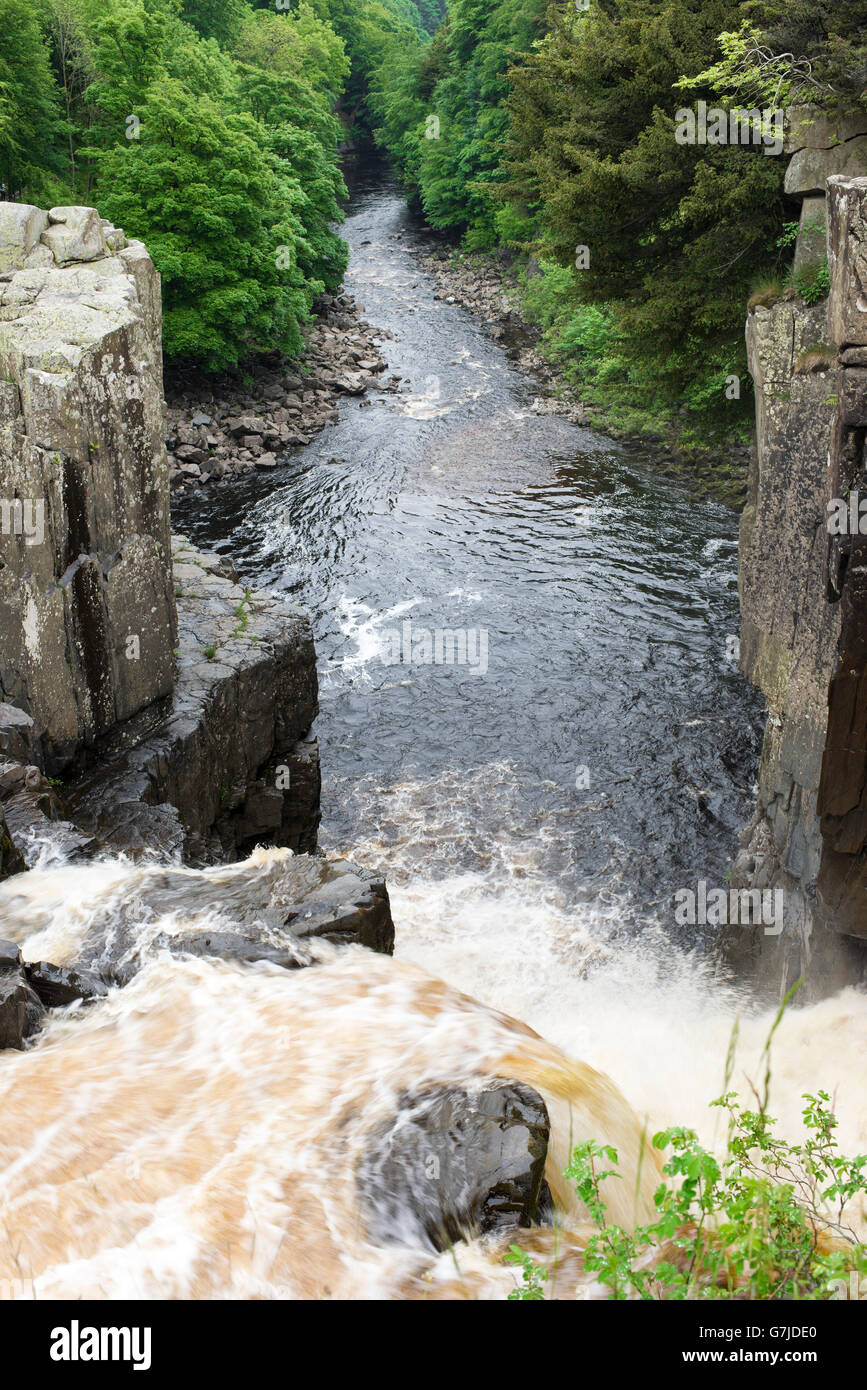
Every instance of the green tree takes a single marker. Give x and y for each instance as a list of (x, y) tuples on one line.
[(219, 222), (215, 19), (30, 114), (675, 233)]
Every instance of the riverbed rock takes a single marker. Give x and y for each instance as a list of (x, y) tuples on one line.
[(87, 616), (273, 907), (457, 1162), (254, 425), (20, 1008), (57, 986)]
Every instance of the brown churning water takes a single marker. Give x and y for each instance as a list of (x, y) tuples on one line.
[(198, 1133)]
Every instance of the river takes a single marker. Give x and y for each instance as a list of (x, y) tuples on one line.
[(534, 808)]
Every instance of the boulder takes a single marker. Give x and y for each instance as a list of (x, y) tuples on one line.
[(273, 907), (457, 1162), (808, 127), (75, 234), (56, 986), (21, 226), (809, 170)]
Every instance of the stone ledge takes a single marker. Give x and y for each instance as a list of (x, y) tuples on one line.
[(230, 762)]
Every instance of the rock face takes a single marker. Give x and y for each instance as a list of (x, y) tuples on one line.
[(804, 624), (196, 729), (177, 702), (87, 617), (455, 1163), (820, 149), (11, 858), (842, 885)]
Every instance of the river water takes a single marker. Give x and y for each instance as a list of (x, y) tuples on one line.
[(533, 807)]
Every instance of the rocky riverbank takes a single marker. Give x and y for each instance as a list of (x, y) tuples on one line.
[(488, 287), (225, 426)]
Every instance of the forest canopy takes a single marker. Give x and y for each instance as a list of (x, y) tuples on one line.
[(550, 131), (546, 134), (210, 129)]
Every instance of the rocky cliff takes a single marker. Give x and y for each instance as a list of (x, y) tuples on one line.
[(87, 613), (804, 620), (169, 734)]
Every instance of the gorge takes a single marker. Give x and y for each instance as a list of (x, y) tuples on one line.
[(255, 1035)]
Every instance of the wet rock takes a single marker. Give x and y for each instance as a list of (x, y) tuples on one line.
[(273, 907), (11, 858), (455, 1163), (10, 955), (56, 986), (29, 802), (20, 1008), (17, 742), (237, 946)]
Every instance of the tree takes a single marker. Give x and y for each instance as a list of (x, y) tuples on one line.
[(30, 113), (675, 232), (220, 223)]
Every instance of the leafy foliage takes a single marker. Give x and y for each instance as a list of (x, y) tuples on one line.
[(765, 1223), (30, 110), (206, 129), (796, 52), (546, 128)]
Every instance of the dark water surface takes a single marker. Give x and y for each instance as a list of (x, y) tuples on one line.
[(607, 594)]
